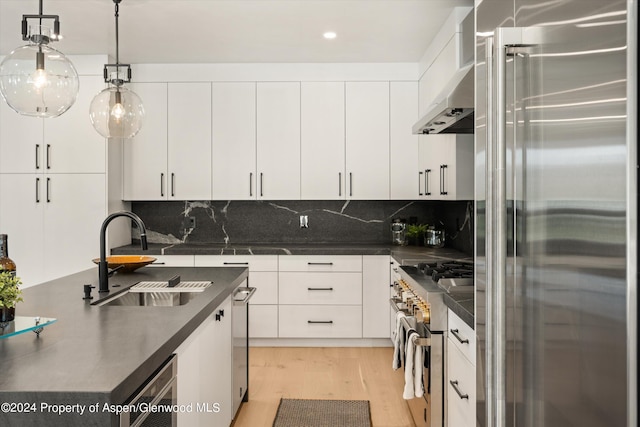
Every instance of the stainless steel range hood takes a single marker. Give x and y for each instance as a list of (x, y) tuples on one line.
[(453, 111)]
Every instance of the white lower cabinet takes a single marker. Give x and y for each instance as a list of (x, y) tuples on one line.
[(320, 296), (375, 296), (173, 261), (461, 373), (320, 288), (205, 372), (320, 321), (263, 275)]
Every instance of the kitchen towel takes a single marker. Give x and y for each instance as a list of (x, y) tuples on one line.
[(409, 378), (418, 371), (398, 342)]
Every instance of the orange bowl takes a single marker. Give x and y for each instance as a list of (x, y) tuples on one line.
[(129, 263)]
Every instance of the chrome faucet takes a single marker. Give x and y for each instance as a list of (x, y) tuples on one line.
[(103, 270)]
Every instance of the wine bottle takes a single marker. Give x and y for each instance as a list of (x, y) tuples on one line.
[(6, 263)]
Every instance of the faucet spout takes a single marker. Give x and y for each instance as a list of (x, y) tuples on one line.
[(103, 270)]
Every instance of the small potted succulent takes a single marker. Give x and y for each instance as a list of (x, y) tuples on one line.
[(415, 234), (10, 295)]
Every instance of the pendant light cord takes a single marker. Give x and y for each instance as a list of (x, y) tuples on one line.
[(117, 39)]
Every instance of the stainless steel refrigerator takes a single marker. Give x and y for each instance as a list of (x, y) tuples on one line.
[(556, 212)]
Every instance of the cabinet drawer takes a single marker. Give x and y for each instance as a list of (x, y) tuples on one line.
[(465, 340), (326, 263), (320, 288), (308, 321), (266, 284), (253, 262), (263, 321), (173, 261), (460, 411)]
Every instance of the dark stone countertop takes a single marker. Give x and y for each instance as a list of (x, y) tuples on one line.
[(402, 254), (98, 354), (463, 305)]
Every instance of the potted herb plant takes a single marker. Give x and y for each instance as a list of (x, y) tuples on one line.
[(415, 233), (10, 295)]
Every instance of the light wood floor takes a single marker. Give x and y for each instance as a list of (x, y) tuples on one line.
[(324, 373)]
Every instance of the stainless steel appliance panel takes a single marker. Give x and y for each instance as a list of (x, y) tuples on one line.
[(240, 334), (556, 353)]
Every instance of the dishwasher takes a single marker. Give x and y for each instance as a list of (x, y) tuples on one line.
[(240, 331)]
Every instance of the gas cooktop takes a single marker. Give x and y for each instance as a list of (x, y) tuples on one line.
[(449, 275)]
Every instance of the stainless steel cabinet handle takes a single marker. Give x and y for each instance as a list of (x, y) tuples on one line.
[(427, 172), (319, 263), (443, 170), (48, 156), (37, 156), (456, 334), (350, 184), (48, 189), (340, 184), (235, 263), (37, 190), (319, 289), (162, 185), (250, 184), (320, 321), (454, 384), (173, 184), (420, 183)]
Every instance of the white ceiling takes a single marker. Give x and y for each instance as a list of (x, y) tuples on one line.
[(210, 31)]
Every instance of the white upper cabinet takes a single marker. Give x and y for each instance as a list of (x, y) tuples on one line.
[(446, 166), (323, 141), (234, 140), (403, 160), (71, 144), (278, 141), (21, 142), (170, 158), (64, 144), (367, 140), (145, 155), (189, 141)]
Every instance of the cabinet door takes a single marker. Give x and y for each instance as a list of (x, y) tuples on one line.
[(145, 155), (234, 141), (457, 169), (446, 163), (21, 142), (278, 147), (72, 145), (189, 141), (367, 140), (216, 368), (433, 153), (375, 296), (403, 154), (323, 141), (75, 206), (21, 218)]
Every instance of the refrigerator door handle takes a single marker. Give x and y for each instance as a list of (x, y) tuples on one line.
[(499, 47)]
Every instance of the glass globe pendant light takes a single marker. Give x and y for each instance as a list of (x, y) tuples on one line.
[(37, 80), (117, 112)]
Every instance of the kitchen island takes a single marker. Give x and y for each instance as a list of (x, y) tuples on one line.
[(96, 354)]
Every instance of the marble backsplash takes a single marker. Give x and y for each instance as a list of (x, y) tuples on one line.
[(242, 222)]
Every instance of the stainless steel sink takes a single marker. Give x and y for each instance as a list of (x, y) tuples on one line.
[(156, 294)]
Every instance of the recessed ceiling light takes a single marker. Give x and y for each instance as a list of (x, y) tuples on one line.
[(329, 35)]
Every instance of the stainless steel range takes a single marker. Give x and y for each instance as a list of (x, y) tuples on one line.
[(419, 293)]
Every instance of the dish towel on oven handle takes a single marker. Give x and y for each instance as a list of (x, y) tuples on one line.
[(398, 342), (413, 369)]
